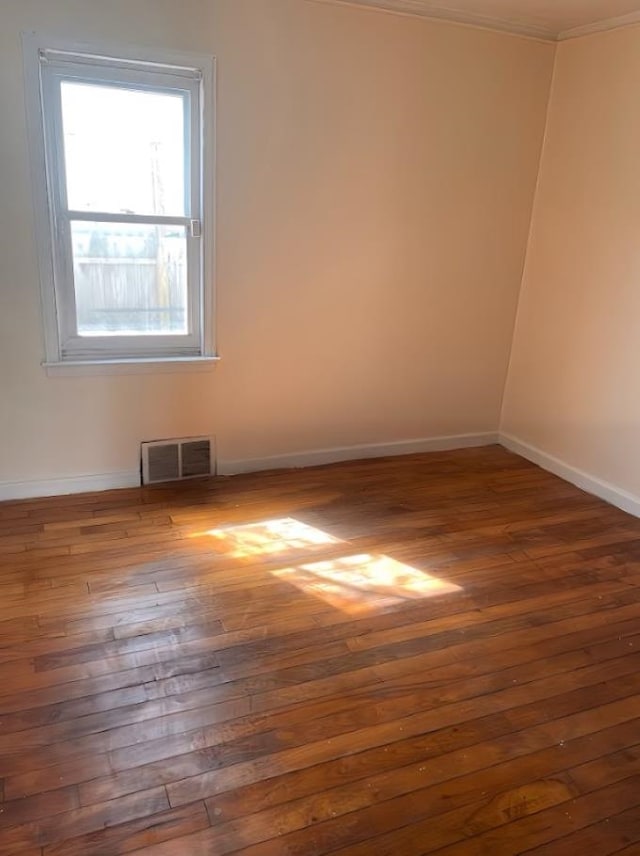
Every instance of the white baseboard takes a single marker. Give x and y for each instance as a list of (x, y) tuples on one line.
[(354, 453), (129, 478), (591, 484), (60, 487)]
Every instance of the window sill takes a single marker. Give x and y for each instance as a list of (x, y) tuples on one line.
[(166, 365)]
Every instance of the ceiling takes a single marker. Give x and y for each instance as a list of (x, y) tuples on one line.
[(548, 19)]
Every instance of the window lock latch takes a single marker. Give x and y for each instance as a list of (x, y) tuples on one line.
[(196, 228)]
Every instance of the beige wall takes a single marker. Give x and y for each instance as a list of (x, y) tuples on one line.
[(375, 181), (573, 387)]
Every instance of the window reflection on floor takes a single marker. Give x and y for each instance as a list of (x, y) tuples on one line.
[(357, 584), (364, 583), (271, 537)]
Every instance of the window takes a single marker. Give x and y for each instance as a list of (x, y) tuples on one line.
[(119, 160)]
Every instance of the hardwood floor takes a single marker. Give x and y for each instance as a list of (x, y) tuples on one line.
[(431, 654)]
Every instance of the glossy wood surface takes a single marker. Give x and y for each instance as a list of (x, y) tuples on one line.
[(429, 654)]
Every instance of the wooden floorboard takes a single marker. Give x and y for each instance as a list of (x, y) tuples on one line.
[(429, 654)]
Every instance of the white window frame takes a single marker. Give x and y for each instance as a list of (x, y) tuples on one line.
[(48, 61)]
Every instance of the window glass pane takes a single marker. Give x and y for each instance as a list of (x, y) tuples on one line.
[(124, 149), (130, 279)]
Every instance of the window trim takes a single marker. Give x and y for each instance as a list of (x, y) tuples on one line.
[(74, 56)]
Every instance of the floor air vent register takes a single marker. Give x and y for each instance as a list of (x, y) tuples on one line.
[(175, 460)]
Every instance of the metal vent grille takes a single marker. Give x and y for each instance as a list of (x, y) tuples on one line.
[(196, 458), (164, 463), (173, 460)]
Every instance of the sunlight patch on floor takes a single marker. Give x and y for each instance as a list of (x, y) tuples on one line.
[(357, 584), (269, 538), (364, 583)]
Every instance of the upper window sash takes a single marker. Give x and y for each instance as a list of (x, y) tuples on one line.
[(52, 79)]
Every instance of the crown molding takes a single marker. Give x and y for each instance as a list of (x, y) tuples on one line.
[(436, 11), (600, 27)]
